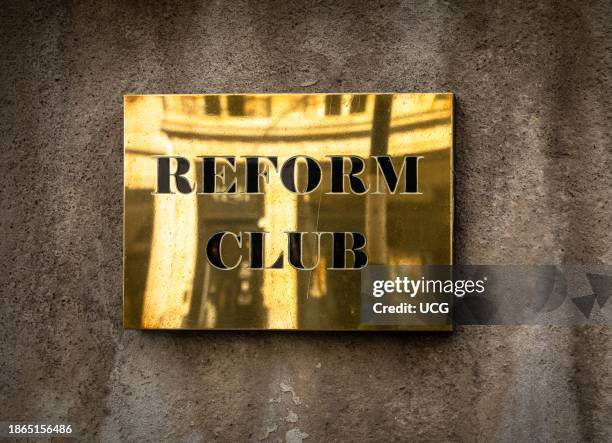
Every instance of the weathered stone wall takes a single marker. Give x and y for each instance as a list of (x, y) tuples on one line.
[(533, 185)]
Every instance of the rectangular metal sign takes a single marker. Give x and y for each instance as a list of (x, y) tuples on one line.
[(282, 211)]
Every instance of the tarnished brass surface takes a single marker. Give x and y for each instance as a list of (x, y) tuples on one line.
[(168, 281)]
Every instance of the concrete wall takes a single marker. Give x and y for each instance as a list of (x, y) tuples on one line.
[(533, 181)]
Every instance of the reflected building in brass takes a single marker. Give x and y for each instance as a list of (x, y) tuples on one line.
[(168, 280)]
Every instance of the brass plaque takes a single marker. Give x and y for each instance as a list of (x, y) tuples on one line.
[(264, 211)]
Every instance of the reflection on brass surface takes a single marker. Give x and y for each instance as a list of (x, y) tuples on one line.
[(169, 280)]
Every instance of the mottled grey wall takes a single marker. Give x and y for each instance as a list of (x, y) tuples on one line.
[(533, 185)]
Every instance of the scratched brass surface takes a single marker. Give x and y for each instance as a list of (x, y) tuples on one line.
[(168, 281)]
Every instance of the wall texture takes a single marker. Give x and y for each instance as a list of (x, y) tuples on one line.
[(533, 185)]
